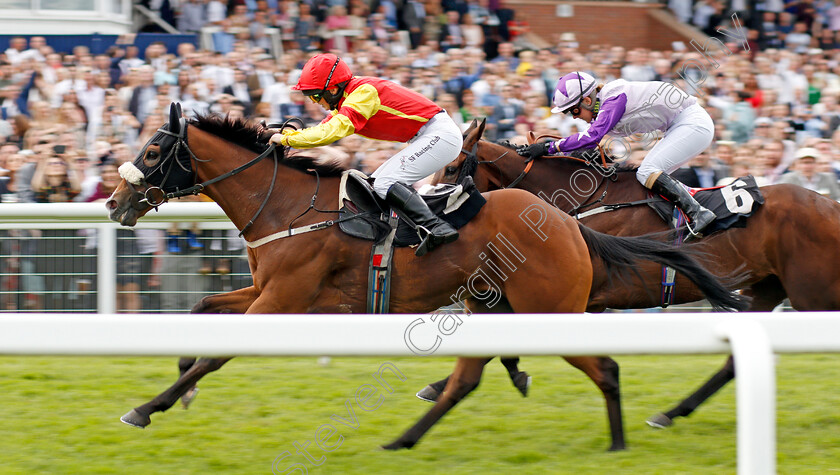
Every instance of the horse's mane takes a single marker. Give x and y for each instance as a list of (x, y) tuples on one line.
[(255, 137)]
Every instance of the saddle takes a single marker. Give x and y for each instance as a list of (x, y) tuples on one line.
[(732, 204), (363, 214)]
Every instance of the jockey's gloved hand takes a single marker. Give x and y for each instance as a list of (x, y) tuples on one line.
[(533, 151), (278, 137)]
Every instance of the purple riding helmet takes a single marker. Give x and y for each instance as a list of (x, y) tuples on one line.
[(568, 95)]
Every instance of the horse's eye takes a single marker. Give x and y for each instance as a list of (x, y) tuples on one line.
[(451, 170), (152, 158)]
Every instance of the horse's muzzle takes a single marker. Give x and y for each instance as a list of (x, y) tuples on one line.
[(126, 205)]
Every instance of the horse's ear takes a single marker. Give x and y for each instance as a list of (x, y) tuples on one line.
[(481, 126), (180, 111), (175, 118), (472, 126)]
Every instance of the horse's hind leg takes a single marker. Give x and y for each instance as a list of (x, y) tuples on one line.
[(520, 380), (689, 404), (432, 392), (235, 302), (140, 416), (764, 295), (464, 379), (184, 364), (603, 371)]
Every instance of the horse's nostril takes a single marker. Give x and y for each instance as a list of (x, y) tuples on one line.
[(111, 204)]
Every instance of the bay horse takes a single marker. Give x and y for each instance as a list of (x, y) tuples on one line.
[(788, 249), (325, 271)]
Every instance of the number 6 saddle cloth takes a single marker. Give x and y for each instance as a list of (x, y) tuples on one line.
[(732, 203)]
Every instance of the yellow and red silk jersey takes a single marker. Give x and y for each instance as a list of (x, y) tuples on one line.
[(373, 108)]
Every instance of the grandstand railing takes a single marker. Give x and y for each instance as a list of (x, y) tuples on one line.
[(80, 216), (751, 337)]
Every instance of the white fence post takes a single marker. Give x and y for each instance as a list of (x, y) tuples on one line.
[(106, 267), (755, 393)]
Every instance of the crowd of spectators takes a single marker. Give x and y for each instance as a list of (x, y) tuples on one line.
[(70, 118)]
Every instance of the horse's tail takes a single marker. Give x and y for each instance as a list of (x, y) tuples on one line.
[(625, 252)]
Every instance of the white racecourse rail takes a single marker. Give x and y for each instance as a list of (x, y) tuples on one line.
[(751, 337)]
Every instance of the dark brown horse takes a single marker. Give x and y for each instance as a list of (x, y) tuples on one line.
[(788, 249), (325, 271)]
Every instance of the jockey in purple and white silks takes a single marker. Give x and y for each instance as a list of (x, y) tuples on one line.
[(623, 108)]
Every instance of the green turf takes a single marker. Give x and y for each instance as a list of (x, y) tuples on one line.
[(60, 415)]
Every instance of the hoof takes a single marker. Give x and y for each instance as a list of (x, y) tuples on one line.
[(397, 445), (428, 394), (522, 382), (660, 421), (616, 448), (134, 418), (188, 397)]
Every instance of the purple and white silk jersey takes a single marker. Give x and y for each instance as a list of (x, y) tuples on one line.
[(627, 108)]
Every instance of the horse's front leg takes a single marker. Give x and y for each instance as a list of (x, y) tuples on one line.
[(603, 371), (237, 301), (190, 370), (464, 379), (520, 380), (140, 416)]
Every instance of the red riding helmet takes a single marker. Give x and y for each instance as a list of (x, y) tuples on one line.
[(322, 72)]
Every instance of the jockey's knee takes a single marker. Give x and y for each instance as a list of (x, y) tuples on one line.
[(647, 174), (381, 186)]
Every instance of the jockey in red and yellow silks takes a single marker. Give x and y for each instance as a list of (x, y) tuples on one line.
[(371, 107), (383, 110)]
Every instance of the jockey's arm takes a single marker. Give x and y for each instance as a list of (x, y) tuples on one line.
[(610, 113), (336, 127), (359, 106)]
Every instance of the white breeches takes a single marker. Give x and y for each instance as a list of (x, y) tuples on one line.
[(435, 145), (691, 133)]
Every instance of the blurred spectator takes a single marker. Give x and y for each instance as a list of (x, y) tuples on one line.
[(144, 95), (191, 16), (414, 17), (504, 116), (798, 40), (451, 34), (804, 173), (239, 91), (52, 182), (506, 55), (296, 107), (701, 172), (306, 29), (335, 28)]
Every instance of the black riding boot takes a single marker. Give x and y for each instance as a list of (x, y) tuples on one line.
[(410, 206), (673, 190)]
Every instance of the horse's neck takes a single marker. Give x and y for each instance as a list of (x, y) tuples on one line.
[(290, 198), (241, 195), (570, 186)]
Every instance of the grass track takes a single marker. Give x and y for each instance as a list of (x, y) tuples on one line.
[(60, 415)]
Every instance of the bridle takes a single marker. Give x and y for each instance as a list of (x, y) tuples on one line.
[(156, 195)]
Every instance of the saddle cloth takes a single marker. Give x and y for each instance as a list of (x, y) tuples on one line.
[(455, 204), (732, 204)]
